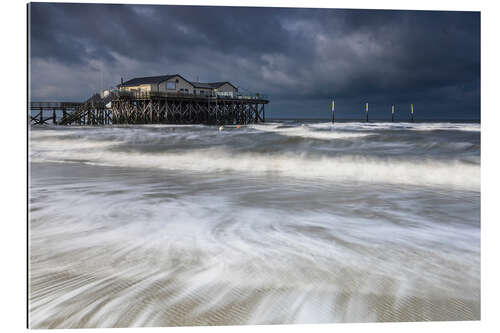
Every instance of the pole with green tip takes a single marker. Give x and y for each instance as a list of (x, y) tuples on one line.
[(333, 111)]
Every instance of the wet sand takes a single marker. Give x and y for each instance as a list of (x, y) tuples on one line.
[(128, 246)]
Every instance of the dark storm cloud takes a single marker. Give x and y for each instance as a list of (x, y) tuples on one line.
[(146, 33), (294, 55)]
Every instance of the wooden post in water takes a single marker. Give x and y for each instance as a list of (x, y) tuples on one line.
[(333, 111), (54, 116), (411, 112), (216, 109), (366, 112), (393, 113)]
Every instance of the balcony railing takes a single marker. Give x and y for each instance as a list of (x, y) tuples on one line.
[(179, 94), (56, 105)]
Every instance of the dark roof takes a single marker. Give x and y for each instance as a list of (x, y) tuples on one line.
[(147, 80), (210, 85), (218, 84), (158, 79), (202, 85)]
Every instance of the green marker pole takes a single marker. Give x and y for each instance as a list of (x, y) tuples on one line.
[(333, 111), (412, 113), (393, 113)]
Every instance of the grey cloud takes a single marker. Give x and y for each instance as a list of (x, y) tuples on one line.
[(292, 54)]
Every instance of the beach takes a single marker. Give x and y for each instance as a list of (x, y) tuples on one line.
[(289, 221)]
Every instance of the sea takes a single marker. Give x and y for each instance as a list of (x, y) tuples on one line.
[(283, 222)]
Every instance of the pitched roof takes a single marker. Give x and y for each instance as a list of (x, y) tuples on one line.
[(218, 84), (202, 85), (147, 80), (210, 85), (158, 79)]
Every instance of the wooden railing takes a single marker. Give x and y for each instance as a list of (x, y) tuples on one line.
[(57, 105), (150, 94)]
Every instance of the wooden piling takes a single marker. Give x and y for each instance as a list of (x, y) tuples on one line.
[(366, 112), (156, 108), (392, 119), (194, 109)]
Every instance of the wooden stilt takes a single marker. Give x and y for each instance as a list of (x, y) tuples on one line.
[(151, 109)]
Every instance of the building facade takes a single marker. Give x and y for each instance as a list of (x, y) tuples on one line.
[(177, 84)]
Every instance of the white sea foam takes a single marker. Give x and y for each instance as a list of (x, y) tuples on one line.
[(306, 132), (190, 260), (363, 126), (239, 231), (342, 168)]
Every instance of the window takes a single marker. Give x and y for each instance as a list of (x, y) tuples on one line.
[(202, 92), (170, 85)]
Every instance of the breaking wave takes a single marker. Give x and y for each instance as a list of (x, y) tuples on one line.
[(362, 126), (342, 168), (309, 133)]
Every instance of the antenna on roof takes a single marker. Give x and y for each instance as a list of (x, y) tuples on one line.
[(197, 78), (122, 80)]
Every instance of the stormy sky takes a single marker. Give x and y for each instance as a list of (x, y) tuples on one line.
[(300, 58)]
